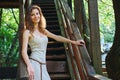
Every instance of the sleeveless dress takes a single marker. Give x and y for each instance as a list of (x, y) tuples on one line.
[(38, 47)]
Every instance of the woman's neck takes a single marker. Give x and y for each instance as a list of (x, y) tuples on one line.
[(36, 26)]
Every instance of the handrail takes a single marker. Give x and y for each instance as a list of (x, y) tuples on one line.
[(78, 55)]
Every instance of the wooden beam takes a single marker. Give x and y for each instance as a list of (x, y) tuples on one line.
[(95, 35), (78, 14), (9, 3)]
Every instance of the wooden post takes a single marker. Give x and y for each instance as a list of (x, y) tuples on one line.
[(95, 35), (78, 14), (82, 22), (21, 66), (22, 71), (21, 21), (28, 3)]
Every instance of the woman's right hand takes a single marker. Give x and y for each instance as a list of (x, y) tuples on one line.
[(30, 72)]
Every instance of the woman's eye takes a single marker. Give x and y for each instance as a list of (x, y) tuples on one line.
[(37, 13), (32, 14)]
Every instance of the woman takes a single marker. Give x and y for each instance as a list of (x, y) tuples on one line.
[(35, 35)]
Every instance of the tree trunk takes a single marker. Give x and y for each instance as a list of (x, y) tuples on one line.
[(113, 57)]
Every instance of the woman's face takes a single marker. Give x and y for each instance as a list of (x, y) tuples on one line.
[(35, 16)]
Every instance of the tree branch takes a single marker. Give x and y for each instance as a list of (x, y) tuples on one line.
[(14, 16)]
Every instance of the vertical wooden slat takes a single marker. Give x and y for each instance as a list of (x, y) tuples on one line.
[(82, 22), (78, 14), (95, 35), (21, 69)]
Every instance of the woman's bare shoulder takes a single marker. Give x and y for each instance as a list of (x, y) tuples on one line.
[(26, 32)]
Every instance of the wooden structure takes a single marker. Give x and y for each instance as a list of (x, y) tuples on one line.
[(71, 62)]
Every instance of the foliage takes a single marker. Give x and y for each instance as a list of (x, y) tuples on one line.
[(8, 31), (106, 19)]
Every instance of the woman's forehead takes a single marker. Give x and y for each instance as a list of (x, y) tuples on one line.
[(34, 10)]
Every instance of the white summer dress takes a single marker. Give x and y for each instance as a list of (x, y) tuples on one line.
[(38, 47)]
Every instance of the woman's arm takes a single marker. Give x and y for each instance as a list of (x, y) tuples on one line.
[(24, 47), (63, 39), (25, 57)]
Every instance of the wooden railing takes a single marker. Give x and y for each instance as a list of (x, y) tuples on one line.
[(78, 57)]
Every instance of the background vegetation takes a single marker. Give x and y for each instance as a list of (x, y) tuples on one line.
[(8, 37), (106, 22), (106, 19)]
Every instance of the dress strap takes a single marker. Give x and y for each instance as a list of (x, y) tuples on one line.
[(40, 65)]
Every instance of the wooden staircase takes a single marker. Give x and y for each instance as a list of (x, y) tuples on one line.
[(56, 56)]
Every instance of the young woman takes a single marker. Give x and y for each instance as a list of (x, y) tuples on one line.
[(36, 36)]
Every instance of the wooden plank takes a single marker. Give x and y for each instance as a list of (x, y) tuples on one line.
[(57, 66), (78, 14), (95, 35), (58, 50), (60, 76), (56, 57), (9, 3), (53, 67)]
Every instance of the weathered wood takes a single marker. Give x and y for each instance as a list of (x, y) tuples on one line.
[(54, 67), (82, 22), (78, 14), (95, 35), (78, 60), (9, 3), (13, 3), (57, 66), (56, 57), (58, 50), (80, 54), (60, 76), (72, 66), (22, 71)]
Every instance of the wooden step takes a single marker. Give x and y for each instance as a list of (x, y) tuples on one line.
[(54, 44), (46, 5), (50, 14), (53, 22), (49, 18), (48, 11), (57, 66), (56, 57), (58, 50), (43, 2), (52, 27), (60, 76), (57, 32)]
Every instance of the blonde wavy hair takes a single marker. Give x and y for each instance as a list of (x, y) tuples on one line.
[(28, 22)]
